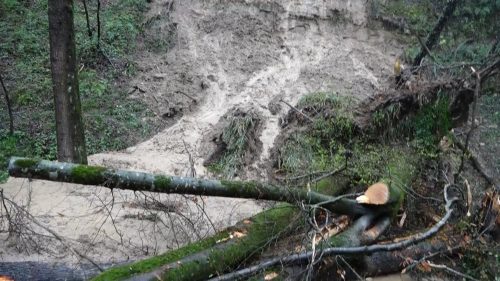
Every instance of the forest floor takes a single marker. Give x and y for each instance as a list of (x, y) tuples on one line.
[(243, 55)]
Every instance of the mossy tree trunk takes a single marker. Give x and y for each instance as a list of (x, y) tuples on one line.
[(138, 181)]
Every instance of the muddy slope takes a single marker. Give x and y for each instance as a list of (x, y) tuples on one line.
[(224, 54)]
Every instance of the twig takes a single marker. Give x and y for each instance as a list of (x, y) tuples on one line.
[(442, 266), (305, 257), (469, 197), (59, 238), (298, 111), (425, 48), (322, 175), (490, 69), (351, 268), (188, 96), (330, 173), (9, 219), (191, 161), (429, 256)]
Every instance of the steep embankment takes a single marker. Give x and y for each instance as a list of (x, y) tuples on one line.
[(239, 54)]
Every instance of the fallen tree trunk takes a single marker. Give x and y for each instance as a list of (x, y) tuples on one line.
[(138, 181)]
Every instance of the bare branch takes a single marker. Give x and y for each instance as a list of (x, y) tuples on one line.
[(442, 266), (298, 111), (53, 233)]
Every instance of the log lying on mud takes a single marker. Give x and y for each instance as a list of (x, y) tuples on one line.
[(139, 181)]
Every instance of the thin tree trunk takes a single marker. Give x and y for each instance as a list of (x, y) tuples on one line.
[(433, 37), (89, 30), (9, 107), (69, 125), (98, 24)]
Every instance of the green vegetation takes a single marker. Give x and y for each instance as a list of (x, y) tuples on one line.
[(424, 129), (112, 119), (236, 136), (334, 136), (326, 142), (482, 262), (26, 163), (470, 39), (431, 123)]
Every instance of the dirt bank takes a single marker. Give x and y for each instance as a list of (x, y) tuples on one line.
[(224, 54)]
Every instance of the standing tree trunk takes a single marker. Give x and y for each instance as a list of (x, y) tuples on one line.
[(69, 125), (9, 107), (89, 30), (433, 37), (98, 25)]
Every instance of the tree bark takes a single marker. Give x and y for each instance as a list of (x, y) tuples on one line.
[(138, 181), (69, 125), (9, 107), (98, 25)]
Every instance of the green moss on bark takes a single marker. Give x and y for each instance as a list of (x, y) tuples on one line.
[(88, 174), (126, 271), (264, 228), (162, 182), (26, 162)]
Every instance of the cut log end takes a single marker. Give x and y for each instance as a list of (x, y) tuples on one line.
[(376, 194)]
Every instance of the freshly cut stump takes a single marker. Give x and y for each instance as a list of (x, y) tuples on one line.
[(376, 194)]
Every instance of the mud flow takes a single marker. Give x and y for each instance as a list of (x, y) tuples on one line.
[(222, 56)]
